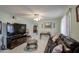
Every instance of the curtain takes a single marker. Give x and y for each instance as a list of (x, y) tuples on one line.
[(66, 23)]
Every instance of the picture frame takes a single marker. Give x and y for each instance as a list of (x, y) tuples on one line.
[(35, 29), (0, 27), (77, 13), (48, 25)]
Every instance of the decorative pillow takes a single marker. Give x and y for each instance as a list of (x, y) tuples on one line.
[(55, 37), (58, 49)]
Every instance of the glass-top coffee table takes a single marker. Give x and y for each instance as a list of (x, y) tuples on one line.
[(31, 44)]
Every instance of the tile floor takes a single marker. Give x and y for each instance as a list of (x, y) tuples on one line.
[(21, 49)]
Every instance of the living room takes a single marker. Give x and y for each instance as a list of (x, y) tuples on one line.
[(41, 22)]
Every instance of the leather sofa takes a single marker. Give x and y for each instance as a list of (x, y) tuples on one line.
[(67, 42)]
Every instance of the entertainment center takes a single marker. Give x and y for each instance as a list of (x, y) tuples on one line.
[(16, 35)]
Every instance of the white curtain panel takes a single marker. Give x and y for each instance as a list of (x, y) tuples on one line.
[(66, 24)]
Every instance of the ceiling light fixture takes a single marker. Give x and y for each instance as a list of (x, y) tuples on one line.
[(36, 17)]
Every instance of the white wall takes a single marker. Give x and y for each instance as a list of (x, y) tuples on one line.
[(74, 25), (5, 17), (51, 30)]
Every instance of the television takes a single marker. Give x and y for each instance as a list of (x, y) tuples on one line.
[(15, 29), (0, 27), (10, 29), (20, 28)]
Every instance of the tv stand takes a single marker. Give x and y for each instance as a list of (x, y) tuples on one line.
[(15, 40)]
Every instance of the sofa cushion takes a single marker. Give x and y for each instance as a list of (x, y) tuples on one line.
[(58, 49), (55, 38)]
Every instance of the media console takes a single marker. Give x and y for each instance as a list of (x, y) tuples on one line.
[(16, 40), (16, 35)]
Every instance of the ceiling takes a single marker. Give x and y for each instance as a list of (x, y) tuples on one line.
[(28, 11)]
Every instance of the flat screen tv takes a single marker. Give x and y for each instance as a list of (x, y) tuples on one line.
[(20, 28), (10, 29), (15, 29), (0, 27)]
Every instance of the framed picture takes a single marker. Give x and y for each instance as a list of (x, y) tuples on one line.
[(48, 25), (0, 27), (35, 29), (77, 13)]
